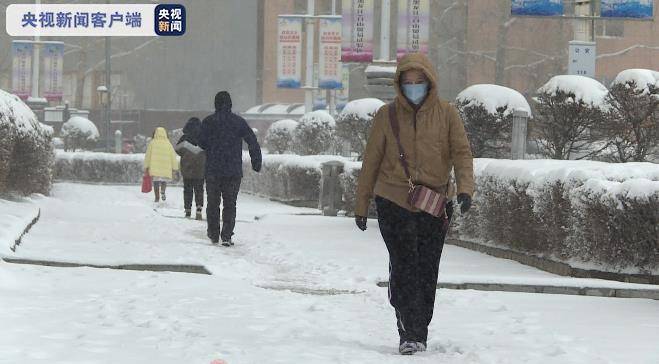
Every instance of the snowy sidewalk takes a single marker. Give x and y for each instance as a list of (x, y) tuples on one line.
[(295, 289), (278, 246)]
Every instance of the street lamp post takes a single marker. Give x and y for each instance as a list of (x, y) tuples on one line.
[(103, 97)]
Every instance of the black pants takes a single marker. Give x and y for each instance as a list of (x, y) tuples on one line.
[(414, 242), (193, 187), (222, 188)]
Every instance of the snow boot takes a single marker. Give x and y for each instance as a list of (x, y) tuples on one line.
[(188, 213), (162, 195), (408, 348), (227, 242), (421, 346), (198, 215)]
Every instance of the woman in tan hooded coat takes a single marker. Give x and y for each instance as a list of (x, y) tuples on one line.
[(435, 144)]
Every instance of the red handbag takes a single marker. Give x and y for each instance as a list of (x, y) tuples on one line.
[(419, 196), (147, 183)]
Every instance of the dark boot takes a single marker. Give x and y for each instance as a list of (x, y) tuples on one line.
[(198, 215), (188, 213)]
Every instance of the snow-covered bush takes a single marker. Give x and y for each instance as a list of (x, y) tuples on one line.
[(279, 138), (26, 152), (567, 110), (7, 143), (349, 179), (175, 135), (140, 143), (79, 133), (487, 113), (355, 122), (315, 133), (99, 167), (632, 121), (288, 178), (583, 213), (590, 215)]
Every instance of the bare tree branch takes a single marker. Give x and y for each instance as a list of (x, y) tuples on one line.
[(626, 50), (122, 54)]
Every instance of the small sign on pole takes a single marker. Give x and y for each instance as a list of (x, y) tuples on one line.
[(582, 58)]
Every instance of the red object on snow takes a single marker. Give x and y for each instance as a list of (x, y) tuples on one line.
[(147, 183)]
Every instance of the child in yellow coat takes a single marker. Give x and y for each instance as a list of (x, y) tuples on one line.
[(160, 162)]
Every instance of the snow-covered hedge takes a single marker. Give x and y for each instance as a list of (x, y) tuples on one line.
[(26, 151), (588, 214), (288, 178), (591, 215), (99, 167), (355, 121), (315, 133), (79, 133), (279, 138)]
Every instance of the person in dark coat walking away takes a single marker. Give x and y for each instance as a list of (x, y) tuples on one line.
[(434, 143), (193, 164), (222, 135)]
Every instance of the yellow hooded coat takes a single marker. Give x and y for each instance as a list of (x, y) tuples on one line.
[(437, 145), (160, 157)]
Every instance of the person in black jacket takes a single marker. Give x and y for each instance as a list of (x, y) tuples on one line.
[(222, 135), (193, 162)]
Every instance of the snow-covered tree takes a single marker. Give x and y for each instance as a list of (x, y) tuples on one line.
[(632, 121), (279, 138), (79, 133), (355, 122), (315, 133), (487, 113), (567, 109)]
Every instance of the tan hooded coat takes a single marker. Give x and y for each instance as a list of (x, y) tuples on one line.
[(436, 146)]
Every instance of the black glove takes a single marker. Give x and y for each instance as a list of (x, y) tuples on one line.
[(361, 222), (256, 166), (465, 202)]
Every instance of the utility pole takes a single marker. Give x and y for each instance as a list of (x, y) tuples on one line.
[(108, 85), (35, 61), (331, 94), (310, 22), (385, 27)]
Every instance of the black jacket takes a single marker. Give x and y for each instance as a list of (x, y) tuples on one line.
[(222, 135)]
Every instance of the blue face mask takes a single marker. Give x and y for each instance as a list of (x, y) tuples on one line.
[(416, 92)]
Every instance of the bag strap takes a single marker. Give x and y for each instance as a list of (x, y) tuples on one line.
[(395, 127)]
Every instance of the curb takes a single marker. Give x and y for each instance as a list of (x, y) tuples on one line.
[(564, 290), (29, 226), (177, 268), (554, 267)]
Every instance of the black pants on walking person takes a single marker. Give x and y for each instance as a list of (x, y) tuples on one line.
[(193, 187), (222, 189), (415, 242)]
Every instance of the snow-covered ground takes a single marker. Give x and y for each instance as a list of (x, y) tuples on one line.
[(15, 215), (297, 288)]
